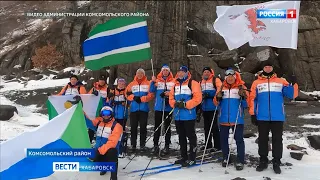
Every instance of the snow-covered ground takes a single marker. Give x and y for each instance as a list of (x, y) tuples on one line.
[(310, 116), (25, 120), (306, 169)]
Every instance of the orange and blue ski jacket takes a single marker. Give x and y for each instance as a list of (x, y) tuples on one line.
[(119, 103), (139, 88), (161, 85), (192, 97), (228, 109), (70, 89), (208, 87), (266, 97), (102, 91), (106, 138)]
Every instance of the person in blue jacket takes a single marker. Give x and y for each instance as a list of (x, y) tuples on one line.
[(232, 100), (139, 95), (161, 86), (209, 86), (267, 112), (119, 103), (184, 97)]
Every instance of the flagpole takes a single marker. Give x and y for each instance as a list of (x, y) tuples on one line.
[(152, 67)]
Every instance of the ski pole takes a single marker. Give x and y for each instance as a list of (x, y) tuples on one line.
[(123, 125), (159, 151), (148, 139), (234, 131), (205, 147), (163, 106)]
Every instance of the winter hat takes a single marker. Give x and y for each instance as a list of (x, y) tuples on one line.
[(74, 76), (165, 66), (206, 68), (267, 63), (141, 70), (183, 68), (102, 77), (121, 80)]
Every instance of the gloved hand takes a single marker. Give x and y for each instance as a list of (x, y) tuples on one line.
[(96, 157), (110, 95), (162, 94), (205, 96), (254, 120), (77, 98), (242, 93), (180, 104), (48, 94), (95, 92), (219, 96), (137, 99), (129, 93), (292, 79)]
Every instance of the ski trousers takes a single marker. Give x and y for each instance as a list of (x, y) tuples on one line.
[(238, 136), (186, 129), (214, 135), (166, 124), (138, 118), (110, 156), (276, 128)]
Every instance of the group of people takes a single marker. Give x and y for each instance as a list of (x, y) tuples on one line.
[(222, 105)]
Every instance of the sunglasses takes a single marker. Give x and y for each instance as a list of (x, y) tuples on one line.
[(230, 72)]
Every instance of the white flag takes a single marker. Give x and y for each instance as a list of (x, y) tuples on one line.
[(240, 24)]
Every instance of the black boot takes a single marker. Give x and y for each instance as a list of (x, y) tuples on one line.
[(224, 162), (103, 173), (143, 149), (155, 150), (180, 161), (262, 166), (188, 163), (239, 166), (165, 151), (133, 149), (276, 166)]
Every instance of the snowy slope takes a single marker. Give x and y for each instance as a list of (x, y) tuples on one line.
[(306, 169)]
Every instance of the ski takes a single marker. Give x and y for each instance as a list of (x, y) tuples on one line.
[(175, 168), (198, 158), (208, 151)]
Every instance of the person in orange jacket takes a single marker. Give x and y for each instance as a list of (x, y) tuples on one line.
[(108, 139), (101, 88), (231, 101), (209, 86), (184, 97), (74, 87), (139, 95), (267, 112)]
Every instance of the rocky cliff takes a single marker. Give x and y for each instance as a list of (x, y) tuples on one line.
[(180, 32)]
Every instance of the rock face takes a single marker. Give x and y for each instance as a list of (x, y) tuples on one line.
[(314, 141), (180, 33), (6, 112)]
